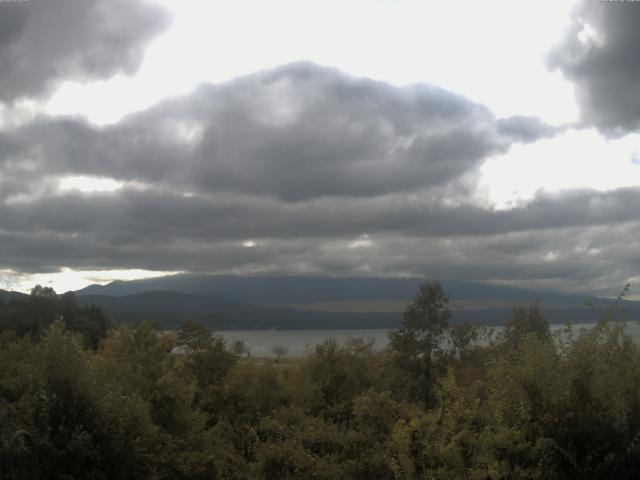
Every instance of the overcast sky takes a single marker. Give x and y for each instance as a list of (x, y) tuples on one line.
[(494, 141)]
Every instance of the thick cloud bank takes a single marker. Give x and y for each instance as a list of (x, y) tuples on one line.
[(44, 42), (296, 133), (301, 169), (600, 55)]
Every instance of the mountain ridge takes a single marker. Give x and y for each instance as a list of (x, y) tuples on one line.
[(234, 302), (270, 290), (8, 295)]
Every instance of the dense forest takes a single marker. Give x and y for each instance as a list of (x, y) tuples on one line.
[(439, 402)]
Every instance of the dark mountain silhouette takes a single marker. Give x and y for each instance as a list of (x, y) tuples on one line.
[(169, 309), (7, 296), (273, 290), (235, 302)]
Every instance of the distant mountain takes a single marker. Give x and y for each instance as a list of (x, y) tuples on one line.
[(7, 296), (169, 309), (275, 290), (235, 302)]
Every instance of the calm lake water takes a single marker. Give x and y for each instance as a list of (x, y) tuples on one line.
[(296, 341)]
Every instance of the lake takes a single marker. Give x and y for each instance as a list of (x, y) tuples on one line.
[(296, 341)]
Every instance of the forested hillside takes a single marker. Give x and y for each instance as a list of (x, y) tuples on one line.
[(306, 302), (31, 315), (439, 402)]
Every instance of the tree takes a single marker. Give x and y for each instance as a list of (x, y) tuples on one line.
[(462, 338), (524, 322), (332, 375), (88, 320), (43, 292), (208, 360), (194, 337), (420, 336), (279, 351), (30, 316), (239, 348)]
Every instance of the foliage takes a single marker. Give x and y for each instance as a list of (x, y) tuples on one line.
[(419, 339), (525, 322), (139, 403), (31, 315)]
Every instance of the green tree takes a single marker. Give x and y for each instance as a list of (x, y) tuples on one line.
[(208, 360), (332, 375), (88, 320), (462, 338), (279, 351), (240, 348), (193, 337), (30, 316), (419, 339), (524, 322)]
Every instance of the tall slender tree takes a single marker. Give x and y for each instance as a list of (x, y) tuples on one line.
[(420, 337)]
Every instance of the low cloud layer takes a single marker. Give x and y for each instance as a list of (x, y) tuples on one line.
[(600, 56), (301, 169), (44, 42)]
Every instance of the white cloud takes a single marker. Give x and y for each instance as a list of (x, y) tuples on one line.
[(491, 51), (575, 159)]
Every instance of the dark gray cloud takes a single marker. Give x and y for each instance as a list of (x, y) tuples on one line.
[(298, 132), (125, 216), (598, 257), (604, 67), (527, 129), (300, 169), (44, 42)]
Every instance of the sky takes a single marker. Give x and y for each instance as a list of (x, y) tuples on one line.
[(493, 141)]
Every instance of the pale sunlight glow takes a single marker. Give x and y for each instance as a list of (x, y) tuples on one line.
[(576, 159), (89, 184), (69, 279), (362, 241)]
